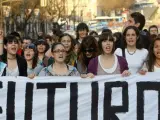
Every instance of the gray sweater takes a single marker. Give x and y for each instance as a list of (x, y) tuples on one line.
[(47, 71)]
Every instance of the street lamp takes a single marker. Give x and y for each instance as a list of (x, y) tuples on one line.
[(74, 15)]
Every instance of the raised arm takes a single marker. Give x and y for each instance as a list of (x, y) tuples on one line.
[(1, 41)]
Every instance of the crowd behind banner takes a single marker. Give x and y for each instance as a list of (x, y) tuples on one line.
[(134, 50)]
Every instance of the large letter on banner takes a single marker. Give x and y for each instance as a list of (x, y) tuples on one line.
[(109, 111), (146, 86), (51, 93), (94, 108), (11, 101), (73, 101), (29, 101), (1, 86)]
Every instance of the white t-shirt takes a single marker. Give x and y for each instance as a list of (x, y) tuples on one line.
[(156, 69), (136, 60)]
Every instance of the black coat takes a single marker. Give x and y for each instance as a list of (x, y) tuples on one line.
[(22, 65), (145, 39)]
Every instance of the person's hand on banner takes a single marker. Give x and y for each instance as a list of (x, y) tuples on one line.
[(126, 73), (143, 71), (83, 75), (88, 75), (31, 76)]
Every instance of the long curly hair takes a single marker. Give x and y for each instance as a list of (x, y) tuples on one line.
[(35, 58)]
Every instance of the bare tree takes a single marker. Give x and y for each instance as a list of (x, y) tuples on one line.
[(53, 11), (21, 12), (114, 4)]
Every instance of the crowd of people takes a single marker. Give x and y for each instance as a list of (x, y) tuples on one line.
[(134, 50)]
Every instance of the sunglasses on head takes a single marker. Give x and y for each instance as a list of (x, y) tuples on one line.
[(89, 50), (41, 41), (31, 46)]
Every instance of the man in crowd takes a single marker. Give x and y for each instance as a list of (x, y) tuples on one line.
[(153, 30), (138, 20), (26, 41)]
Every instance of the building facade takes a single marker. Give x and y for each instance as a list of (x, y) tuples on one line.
[(84, 9)]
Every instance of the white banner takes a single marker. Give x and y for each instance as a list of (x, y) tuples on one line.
[(73, 98)]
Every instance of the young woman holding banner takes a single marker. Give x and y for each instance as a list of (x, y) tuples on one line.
[(133, 50), (68, 42), (88, 50), (107, 62), (59, 67)]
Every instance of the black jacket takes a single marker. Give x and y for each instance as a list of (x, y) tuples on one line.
[(145, 39), (22, 65)]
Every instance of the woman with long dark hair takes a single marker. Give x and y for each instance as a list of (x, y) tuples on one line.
[(88, 50), (42, 48), (31, 56), (133, 50), (81, 32), (153, 63), (16, 65)]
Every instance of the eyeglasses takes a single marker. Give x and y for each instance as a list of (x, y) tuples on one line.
[(89, 50), (59, 51)]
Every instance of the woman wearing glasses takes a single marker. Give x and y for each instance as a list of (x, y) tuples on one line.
[(68, 42), (31, 56), (59, 67), (88, 50)]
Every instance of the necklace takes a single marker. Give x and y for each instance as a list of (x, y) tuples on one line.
[(157, 63), (11, 58), (131, 53)]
